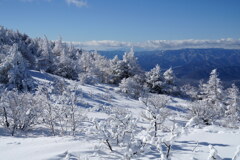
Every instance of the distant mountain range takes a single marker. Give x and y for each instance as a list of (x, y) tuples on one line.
[(191, 65)]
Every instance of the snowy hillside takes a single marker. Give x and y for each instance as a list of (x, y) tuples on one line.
[(60, 102), (100, 103)]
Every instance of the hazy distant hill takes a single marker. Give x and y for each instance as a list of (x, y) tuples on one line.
[(191, 64)]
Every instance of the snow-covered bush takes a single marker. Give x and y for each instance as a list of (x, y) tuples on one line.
[(203, 111), (189, 91), (163, 143), (237, 154), (87, 78), (50, 110), (60, 111), (71, 112), (130, 87), (123, 125), (156, 111), (118, 129), (19, 111), (213, 154)]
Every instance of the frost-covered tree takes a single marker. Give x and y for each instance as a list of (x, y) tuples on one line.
[(88, 68), (116, 70), (169, 86), (103, 69), (233, 105), (169, 76), (130, 65), (212, 90), (212, 93), (154, 80), (46, 59), (209, 107), (14, 71), (58, 47), (66, 66), (17, 74)]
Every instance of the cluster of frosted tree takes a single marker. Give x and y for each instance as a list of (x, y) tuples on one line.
[(212, 102), (54, 107), (19, 53), (161, 83), (153, 81)]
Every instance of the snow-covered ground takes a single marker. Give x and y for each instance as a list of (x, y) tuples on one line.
[(86, 146)]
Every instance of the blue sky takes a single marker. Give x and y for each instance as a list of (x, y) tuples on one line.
[(123, 20)]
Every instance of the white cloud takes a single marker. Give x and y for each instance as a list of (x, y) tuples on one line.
[(160, 44), (78, 3), (35, 0)]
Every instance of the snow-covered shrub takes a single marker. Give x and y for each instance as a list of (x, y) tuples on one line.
[(203, 111), (133, 86), (156, 111), (50, 110), (163, 143), (189, 91), (135, 148), (71, 112), (237, 154), (213, 154), (60, 111), (19, 110), (87, 78), (123, 125), (118, 129)]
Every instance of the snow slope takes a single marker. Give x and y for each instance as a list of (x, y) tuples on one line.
[(86, 146)]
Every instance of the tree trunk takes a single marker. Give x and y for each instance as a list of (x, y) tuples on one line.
[(108, 144), (155, 126), (5, 115)]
